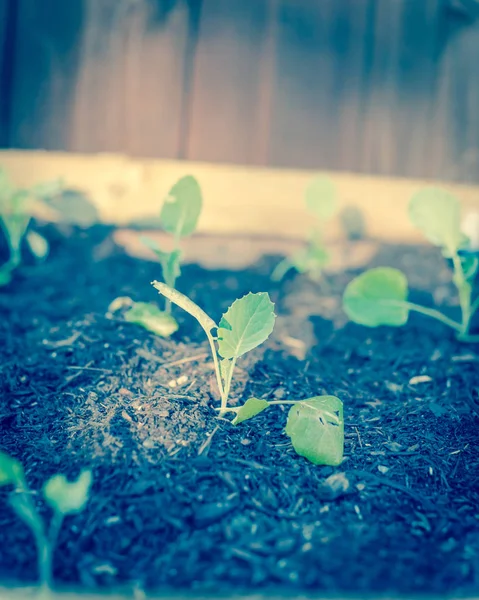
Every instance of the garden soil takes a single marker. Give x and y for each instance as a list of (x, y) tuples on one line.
[(183, 500)]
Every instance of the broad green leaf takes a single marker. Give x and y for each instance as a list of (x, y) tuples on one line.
[(11, 470), (225, 369), (68, 497), (437, 214), (38, 245), (320, 197), (186, 304), (25, 509), (153, 319), (377, 297), (250, 408), (182, 207), (316, 429), (247, 323)]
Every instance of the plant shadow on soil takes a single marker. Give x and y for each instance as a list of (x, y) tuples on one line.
[(184, 500)]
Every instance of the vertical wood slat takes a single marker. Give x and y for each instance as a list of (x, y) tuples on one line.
[(45, 65), (228, 93), (4, 70), (129, 92)]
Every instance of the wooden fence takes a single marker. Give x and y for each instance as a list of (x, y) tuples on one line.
[(378, 86)]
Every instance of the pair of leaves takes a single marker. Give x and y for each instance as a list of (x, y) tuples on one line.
[(315, 427), (246, 324), (63, 496)]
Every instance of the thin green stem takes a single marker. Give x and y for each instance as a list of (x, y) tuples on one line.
[(224, 399), (464, 291), (281, 269), (46, 556), (435, 314), (236, 409)]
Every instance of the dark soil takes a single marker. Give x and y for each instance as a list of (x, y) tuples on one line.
[(184, 500)]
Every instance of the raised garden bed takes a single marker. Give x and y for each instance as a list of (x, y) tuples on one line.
[(184, 501)]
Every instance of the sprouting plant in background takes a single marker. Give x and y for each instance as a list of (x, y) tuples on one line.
[(63, 497), (321, 201), (179, 217), (380, 296), (315, 426), (17, 208)]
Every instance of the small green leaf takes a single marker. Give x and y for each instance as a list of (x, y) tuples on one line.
[(11, 470), (5, 274), (38, 245), (316, 429), (15, 227), (320, 197), (251, 408), (153, 319), (182, 207), (247, 323), (68, 497), (437, 214), (186, 304), (170, 261), (377, 297)]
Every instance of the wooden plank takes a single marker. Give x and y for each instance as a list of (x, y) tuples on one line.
[(45, 65), (238, 200), (7, 24), (129, 92), (227, 113)]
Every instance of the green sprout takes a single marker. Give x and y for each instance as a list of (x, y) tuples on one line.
[(380, 296), (17, 208), (321, 201), (315, 425), (63, 497), (179, 217)]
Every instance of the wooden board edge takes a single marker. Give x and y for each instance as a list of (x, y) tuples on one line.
[(237, 200)]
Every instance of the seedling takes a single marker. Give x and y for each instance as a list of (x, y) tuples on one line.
[(179, 217), (17, 207), (321, 201), (380, 296), (63, 497), (315, 426)]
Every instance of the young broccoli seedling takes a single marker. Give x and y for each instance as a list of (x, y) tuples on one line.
[(63, 497), (321, 201), (315, 426), (17, 208), (380, 296), (179, 217)]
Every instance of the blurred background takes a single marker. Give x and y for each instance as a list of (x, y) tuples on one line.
[(386, 87)]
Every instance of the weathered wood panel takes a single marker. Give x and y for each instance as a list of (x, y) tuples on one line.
[(377, 86), (129, 91), (45, 65), (230, 86), (7, 16)]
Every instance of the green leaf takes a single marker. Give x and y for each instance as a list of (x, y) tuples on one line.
[(186, 304), (153, 319), (170, 261), (316, 429), (320, 197), (38, 245), (437, 214), (182, 207), (377, 297), (5, 274), (67, 497), (251, 408), (247, 323), (11, 470)]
